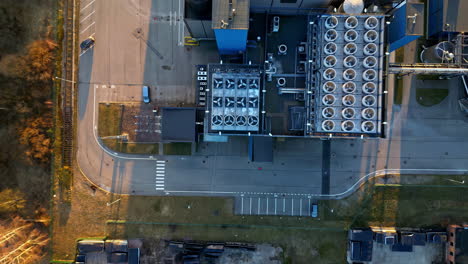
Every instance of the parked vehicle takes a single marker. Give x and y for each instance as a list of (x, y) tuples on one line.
[(87, 43), (314, 210), (146, 94)]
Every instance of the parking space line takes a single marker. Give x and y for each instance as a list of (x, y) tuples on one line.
[(275, 206), (90, 3), (84, 30), (284, 205), (242, 205), (292, 206), (86, 17), (250, 206), (300, 207), (309, 205), (267, 206), (258, 209)]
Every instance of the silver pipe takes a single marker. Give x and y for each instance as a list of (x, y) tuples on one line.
[(423, 70)]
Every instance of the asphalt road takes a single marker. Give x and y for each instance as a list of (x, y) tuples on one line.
[(433, 139)]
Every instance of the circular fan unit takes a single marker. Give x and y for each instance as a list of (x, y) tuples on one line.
[(347, 126), (368, 126), (328, 99), (351, 22), (281, 81), (369, 87), (348, 100), (331, 35), (330, 48), (331, 22), (370, 62), (349, 74), (369, 75), (350, 49), (329, 61), (217, 120), (348, 113), (328, 112), (253, 120), (229, 120), (329, 74), (328, 125), (371, 23), (371, 36), (329, 87), (241, 121), (351, 35), (370, 49), (368, 113), (350, 61), (349, 87), (368, 100)]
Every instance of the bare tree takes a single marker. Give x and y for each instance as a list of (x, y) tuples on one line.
[(21, 242)]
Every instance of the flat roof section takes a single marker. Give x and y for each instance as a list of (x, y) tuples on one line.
[(231, 14), (178, 124)]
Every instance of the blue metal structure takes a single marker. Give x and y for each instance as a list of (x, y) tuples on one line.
[(231, 41), (407, 25)]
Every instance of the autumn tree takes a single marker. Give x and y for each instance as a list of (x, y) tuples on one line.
[(12, 201), (21, 242), (37, 65), (35, 137)]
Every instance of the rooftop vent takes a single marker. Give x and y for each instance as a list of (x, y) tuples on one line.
[(329, 87), (350, 49), (370, 62), (348, 113), (368, 113), (241, 120), (329, 61), (217, 120), (331, 22), (253, 120), (331, 35), (242, 84), (351, 35), (371, 23), (328, 112), (349, 74), (330, 48), (370, 49), (347, 126), (349, 87), (368, 100), (328, 125), (281, 82), (368, 126), (371, 36), (351, 22), (349, 100), (329, 74), (369, 75), (229, 120), (350, 61), (328, 99), (369, 87)]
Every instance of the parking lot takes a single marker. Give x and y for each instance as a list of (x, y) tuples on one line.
[(286, 205)]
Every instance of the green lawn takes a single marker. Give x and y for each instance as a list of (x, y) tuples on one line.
[(430, 97), (132, 148), (109, 119)]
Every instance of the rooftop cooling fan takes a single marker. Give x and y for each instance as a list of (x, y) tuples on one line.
[(330, 48), (217, 120), (253, 120), (328, 112), (348, 113), (368, 126), (328, 125), (347, 126)]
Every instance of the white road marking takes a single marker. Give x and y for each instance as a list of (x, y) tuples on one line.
[(160, 174), (250, 206), (86, 17), (84, 30), (159, 189), (90, 3), (267, 206), (258, 206), (300, 207), (242, 204), (159, 185), (284, 205), (160, 161), (275, 206)]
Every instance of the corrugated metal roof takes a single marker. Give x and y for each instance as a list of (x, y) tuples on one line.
[(231, 14)]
